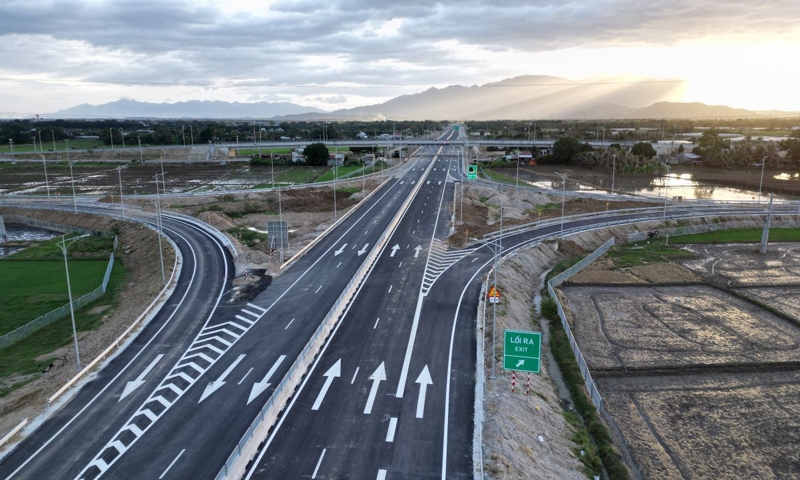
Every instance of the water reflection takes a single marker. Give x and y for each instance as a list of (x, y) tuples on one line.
[(23, 233)]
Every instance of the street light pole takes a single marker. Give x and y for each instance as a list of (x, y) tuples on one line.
[(111, 136), (46, 183), (121, 200), (563, 193), (40, 141), (613, 170), (11, 144), (160, 232), (64, 245), (72, 177), (54, 141), (666, 190), (141, 159), (761, 183), (122, 134)]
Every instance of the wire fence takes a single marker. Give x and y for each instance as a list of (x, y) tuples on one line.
[(591, 386), (29, 328)]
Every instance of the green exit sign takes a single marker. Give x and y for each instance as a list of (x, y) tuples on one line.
[(523, 351), (472, 172)]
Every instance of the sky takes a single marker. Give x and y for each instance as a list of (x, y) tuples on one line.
[(337, 54)]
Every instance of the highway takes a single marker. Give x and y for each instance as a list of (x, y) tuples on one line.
[(390, 396), (232, 351)]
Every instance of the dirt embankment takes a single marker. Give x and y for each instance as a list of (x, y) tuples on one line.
[(138, 252), (308, 213), (515, 422)]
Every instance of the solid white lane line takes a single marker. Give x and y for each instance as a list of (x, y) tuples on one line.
[(287, 325), (319, 462), (245, 376), (318, 289), (392, 428), (381, 475), (171, 464), (354, 376), (390, 288), (401, 264), (340, 264)]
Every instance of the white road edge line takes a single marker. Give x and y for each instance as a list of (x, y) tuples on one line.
[(171, 464), (319, 462)]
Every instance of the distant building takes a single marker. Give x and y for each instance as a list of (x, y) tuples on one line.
[(369, 159), (298, 157), (525, 158), (336, 159)]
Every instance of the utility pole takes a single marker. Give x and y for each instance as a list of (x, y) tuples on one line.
[(563, 193), (122, 134), (111, 136), (141, 159)]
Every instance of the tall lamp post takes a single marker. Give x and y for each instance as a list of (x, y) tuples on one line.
[(563, 193), (111, 137), (121, 200), (63, 245), (54, 141), (160, 231), (761, 183), (46, 183), (141, 159), (122, 134), (666, 190)]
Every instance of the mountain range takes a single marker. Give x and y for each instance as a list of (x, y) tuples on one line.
[(522, 98)]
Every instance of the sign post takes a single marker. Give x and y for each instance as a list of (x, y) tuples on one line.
[(494, 295), (523, 351)]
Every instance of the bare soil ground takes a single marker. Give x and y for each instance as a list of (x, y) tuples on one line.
[(702, 381), (143, 284)]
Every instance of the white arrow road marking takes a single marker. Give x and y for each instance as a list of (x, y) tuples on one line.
[(133, 385), (377, 377), (394, 250), (417, 250), (341, 249), (259, 387), (363, 250), (424, 380), (334, 372), (218, 383)]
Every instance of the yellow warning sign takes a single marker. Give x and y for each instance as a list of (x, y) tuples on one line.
[(493, 293)]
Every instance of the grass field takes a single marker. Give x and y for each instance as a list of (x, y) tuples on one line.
[(340, 172), (498, 177), (656, 250), (20, 358), (60, 145), (33, 281), (264, 151), (300, 174), (29, 289)]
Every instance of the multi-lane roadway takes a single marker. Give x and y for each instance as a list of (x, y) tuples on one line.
[(390, 395)]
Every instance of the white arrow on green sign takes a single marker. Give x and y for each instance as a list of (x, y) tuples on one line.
[(523, 351)]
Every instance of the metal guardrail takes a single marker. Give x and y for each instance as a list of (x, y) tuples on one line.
[(290, 381), (29, 328)]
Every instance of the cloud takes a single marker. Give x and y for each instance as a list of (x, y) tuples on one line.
[(342, 48)]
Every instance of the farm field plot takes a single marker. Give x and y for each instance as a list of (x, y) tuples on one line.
[(743, 425), (737, 265), (671, 327), (702, 379)]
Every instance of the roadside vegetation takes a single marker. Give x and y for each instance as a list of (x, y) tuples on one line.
[(33, 282)]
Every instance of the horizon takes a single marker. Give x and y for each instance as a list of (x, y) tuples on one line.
[(58, 55)]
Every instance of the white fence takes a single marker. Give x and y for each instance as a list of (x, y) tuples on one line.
[(26, 330)]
